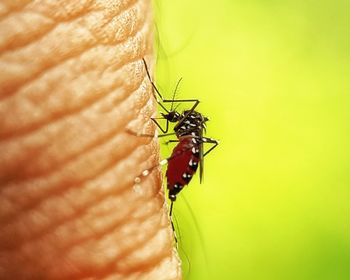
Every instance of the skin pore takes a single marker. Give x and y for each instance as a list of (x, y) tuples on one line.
[(72, 82)]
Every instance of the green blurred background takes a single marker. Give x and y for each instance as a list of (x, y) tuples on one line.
[(274, 79)]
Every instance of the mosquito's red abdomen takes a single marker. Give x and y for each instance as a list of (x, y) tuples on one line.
[(183, 164)]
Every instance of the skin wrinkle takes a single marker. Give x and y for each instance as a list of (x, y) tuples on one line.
[(83, 105), (98, 234), (82, 211), (113, 264), (152, 259), (47, 227), (150, 273), (79, 70), (37, 182), (71, 209), (124, 23), (16, 6), (20, 42), (17, 39), (40, 98), (77, 49), (131, 248), (113, 84), (91, 203), (72, 168), (31, 206), (97, 239), (135, 240), (101, 135), (54, 189), (80, 10), (61, 10), (130, 229), (34, 69), (104, 98)]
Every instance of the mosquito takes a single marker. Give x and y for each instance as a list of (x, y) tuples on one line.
[(189, 129)]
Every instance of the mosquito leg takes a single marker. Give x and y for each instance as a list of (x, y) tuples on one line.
[(154, 87), (209, 141), (167, 134), (172, 101), (206, 140), (149, 135), (171, 141), (159, 126), (150, 79)]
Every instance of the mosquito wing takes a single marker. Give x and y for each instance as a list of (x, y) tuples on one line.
[(201, 162)]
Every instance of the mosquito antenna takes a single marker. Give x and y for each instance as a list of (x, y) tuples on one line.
[(177, 85), (177, 106), (154, 87)]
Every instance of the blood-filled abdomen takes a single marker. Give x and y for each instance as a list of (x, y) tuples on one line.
[(182, 165)]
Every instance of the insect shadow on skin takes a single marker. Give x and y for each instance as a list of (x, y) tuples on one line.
[(188, 154)]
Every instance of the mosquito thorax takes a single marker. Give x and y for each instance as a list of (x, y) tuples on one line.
[(191, 122)]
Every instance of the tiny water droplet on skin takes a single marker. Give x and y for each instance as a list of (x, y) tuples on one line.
[(138, 189)]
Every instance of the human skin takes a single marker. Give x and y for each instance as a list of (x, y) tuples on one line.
[(72, 84)]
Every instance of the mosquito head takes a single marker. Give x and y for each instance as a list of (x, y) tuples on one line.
[(172, 116)]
